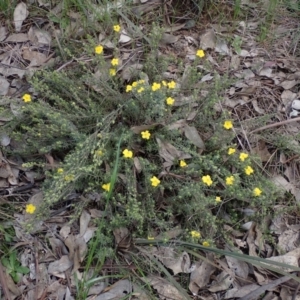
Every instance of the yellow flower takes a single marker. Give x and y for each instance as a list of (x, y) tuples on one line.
[(228, 124), (99, 152), (182, 164), (112, 72), (128, 88), (69, 178), (60, 170), (164, 83), (141, 89), (117, 28), (229, 180), (172, 84), (141, 81), (134, 84), (200, 53), (26, 98), (115, 61), (249, 170), (218, 199), (106, 187), (99, 49), (155, 181), (156, 86), (243, 156), (150, 238), (127, 153), (207, 180), (30, 208), (195, 234), (206, 244), (170, 101), (231, 151), (146, 134), (257, 192)]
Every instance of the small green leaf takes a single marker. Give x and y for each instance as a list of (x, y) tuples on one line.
[(22, 270)]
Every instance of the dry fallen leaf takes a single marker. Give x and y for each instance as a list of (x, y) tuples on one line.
[(3, 33), (17, 38), (124, 37), (119, 290), (58, 267), (223, 282), (178, 263), (4, 86), (20, 14), (165, 290), (192, 134), (84, 222), (131, 71), (262, 151), (240, 268), (208, 40), (200, 276), (36, 58), (168, 39)]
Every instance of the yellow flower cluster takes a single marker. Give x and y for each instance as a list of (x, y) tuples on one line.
[(69, 178), (60, 170), (136, 84), (195, 234)]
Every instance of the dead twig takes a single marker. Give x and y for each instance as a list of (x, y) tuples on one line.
[(276, 124)]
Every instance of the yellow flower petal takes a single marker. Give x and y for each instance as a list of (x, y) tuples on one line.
[(218, 199), (243, 156), (106, 187), (231, 151), (195, 234), (257, 192), (172, 85), (99, 49), (206, 244), (26, 98), (170, 101), (146, 134), (114, 61), (127, 153), (249, 170), (30, 208), (228, 124), (112, 72), (155, 181), (117, 28), (182, 164), (128, 88), (155, 86), (207, 180), (200, 53), (229, 180)]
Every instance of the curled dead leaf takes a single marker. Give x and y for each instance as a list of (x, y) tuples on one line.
[(20, 14)]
